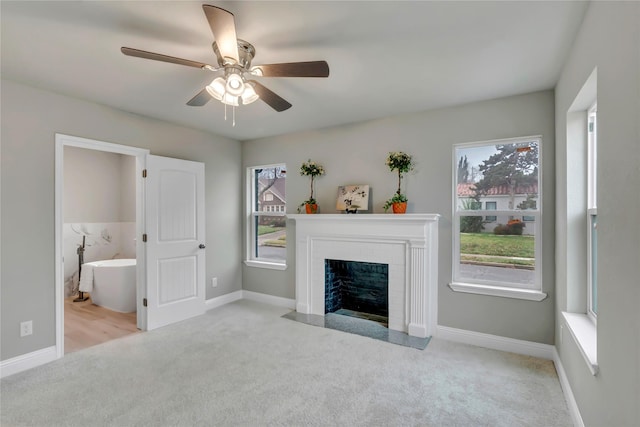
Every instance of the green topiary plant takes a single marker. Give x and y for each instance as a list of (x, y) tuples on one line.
[(312, 169), (403, 163)]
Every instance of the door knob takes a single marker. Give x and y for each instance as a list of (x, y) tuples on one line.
[(202, 246)]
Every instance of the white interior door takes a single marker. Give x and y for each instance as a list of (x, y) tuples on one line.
[(174, 193)]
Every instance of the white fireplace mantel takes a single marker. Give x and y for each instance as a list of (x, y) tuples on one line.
[(407, 243)]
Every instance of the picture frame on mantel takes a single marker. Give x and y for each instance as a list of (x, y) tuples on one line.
[(353, 198)]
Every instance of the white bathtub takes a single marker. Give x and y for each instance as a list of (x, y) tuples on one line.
[(114, 284)]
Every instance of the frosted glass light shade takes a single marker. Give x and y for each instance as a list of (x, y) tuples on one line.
[(230, 99), (249, 95), (235, 85), (217, 88), (231, 89)]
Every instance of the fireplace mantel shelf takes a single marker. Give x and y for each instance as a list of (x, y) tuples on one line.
[(365, 217)]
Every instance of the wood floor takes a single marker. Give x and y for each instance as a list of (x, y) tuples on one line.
[(86, 325)]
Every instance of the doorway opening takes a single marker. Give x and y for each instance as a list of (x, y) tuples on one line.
[(99, 215)]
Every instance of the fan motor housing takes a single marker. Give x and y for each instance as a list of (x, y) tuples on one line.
[(246, 52)]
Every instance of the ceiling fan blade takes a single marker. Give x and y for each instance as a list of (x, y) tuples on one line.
[(293, 69), (223, 27), (271, 98), (200, 99), (159, 57)]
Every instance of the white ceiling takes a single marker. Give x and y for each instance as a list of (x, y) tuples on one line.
[(386, 58)]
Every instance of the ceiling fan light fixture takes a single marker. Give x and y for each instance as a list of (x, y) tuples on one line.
[(249, 95), (230, 99), (235, 84), (234, 59), (217, 88)]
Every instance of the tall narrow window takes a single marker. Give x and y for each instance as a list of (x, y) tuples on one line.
[(498, 254), (592, 213), (266, 230), (491, 206)]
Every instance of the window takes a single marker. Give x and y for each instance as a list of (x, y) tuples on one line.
[(581, 299), (592, 214), (266, 222), (498, 254), (491, 206)]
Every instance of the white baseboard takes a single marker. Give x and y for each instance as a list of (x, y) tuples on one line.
[(495, 342), (253, 296), (222, 300), (27, 361), (566, 389), (270, 299)]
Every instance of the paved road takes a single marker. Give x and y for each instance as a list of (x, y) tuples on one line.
[(271, 252), (500, 274)]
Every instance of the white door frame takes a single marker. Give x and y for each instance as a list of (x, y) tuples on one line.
[(140, 154)]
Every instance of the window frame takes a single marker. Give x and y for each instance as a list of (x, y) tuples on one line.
[(592, 212), (252, 215), (494, 288)]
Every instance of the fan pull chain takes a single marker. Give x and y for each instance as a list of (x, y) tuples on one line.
[(233, 114)]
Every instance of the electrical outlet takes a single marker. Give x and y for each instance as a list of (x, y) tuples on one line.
[(214, 282), (26, 328)]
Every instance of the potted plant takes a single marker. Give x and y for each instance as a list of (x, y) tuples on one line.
[(403, 163), (312, 169)]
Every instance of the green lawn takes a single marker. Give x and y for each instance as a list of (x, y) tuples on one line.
[(266, 229), (494, 248)]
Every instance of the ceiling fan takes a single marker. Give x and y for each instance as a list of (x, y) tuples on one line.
[(234, 58)]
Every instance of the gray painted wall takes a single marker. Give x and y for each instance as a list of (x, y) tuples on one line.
[(30, 119), (355, 154), (609, 39), (98, 186)]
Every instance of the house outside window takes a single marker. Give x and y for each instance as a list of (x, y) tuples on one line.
[(498, 254), (266, 221)]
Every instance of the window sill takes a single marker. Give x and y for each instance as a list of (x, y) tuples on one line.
[(266, 264), (584, 333), (498, 291)]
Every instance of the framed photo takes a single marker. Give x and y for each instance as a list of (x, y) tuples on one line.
[(353, 198)]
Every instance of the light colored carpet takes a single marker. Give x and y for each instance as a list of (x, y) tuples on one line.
[(244, 365)]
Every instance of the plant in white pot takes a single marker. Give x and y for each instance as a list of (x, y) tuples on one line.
[(403, 163), (312, 169)]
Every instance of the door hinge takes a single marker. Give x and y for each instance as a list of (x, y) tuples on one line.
[(144, 237), (144, 302), (144, 173)]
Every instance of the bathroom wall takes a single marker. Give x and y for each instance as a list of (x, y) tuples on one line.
[(99, 205)]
